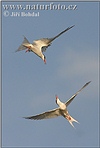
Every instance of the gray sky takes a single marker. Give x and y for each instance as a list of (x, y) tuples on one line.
[(29, 86)]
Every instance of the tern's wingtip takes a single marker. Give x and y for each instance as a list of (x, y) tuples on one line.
[(88, 82), (72, 26)]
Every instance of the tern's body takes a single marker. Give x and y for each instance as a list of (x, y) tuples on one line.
[(60, 111), (39, 46)]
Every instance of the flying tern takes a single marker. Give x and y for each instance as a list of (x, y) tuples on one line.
[(60, 111), (39, 46)]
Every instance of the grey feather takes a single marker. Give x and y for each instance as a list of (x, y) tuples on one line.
[(46, 115), (71, 99)]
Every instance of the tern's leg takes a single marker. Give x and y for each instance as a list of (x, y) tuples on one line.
[(28, 49)]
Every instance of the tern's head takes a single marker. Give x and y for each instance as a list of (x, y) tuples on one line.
[(44, 59), (57, 100), (60, 104)]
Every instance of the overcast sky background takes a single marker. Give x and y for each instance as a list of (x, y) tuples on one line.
[(29, 86)]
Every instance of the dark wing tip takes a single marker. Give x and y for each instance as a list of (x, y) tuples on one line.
[(27, 117), (87, 83), (32, 118), (71, 27)]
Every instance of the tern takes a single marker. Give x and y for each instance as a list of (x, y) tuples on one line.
[(60, 111), (39, 46)]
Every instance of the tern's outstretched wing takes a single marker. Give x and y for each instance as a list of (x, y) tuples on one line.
[(46, 115), (45, 42), (22, 46), (61, 33), (70, 100)]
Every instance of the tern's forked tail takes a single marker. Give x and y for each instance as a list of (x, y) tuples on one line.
[(23, 45), (71, 119)]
